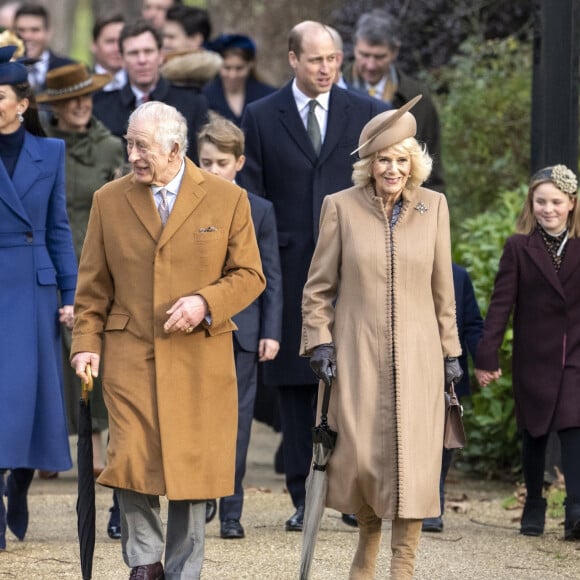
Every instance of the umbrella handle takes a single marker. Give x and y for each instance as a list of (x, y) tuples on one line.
[(325, 403), (86, 388)]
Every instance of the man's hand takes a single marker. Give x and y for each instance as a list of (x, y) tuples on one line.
[(80, 361), (267, 349), (186, 314)]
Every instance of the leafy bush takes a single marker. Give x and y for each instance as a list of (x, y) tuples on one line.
[(493, 447), (485, 119)]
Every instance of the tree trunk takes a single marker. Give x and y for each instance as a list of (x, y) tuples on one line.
[(269, 23)]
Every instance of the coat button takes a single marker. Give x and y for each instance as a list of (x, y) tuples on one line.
[(29, 237)]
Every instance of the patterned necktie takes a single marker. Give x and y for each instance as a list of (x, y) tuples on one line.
[(145, 98), (312, 126), (163, 207)]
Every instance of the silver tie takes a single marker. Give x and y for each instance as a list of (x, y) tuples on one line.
[(163, 207), (312, 126)]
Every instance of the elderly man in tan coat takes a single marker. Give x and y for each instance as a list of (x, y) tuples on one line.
[(157, 289)]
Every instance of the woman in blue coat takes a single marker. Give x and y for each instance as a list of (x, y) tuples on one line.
[(37, 275)]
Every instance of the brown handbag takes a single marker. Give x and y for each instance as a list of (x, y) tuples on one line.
[(454, 434)]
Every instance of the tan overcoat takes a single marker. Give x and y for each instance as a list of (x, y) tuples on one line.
[(172, 398), (385, 298)]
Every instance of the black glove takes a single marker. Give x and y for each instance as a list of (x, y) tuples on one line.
[(323, 362), (453, 372)]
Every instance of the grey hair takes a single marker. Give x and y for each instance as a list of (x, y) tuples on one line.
[(169, 124), (377, 27)]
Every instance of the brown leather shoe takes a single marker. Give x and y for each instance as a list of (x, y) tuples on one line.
[(148, 572)]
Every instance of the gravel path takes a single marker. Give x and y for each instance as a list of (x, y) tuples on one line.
[(482, 543)]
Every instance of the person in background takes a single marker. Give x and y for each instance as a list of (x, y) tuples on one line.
[(469, 327), (379, 323), (374, 71), (238, 83), (165, 332), (105, 50), (221, 152), (298, 144), (93, 156), (186, 61), (7, 12), (38, 272), (32, 24), (154, 11), (140, 44), (538, 280)]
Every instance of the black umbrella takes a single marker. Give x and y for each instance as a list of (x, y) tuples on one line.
[(86, 481), (324, 440)]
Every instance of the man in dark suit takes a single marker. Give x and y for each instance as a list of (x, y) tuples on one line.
[(298, 145), (32, 24), (140, 45)]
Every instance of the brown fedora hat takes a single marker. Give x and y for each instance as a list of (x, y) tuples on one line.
[(70, 81), (386, 129)]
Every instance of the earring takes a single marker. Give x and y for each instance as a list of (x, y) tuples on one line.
[(20, 117)]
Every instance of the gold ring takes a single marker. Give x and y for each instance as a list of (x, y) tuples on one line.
[(189, 330)]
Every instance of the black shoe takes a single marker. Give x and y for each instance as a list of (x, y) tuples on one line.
[(432, 524), (296, 520), (572, 523), (17, 486), (231, 530), (533, 517), (210, 510), (349, 520), (114, 525)]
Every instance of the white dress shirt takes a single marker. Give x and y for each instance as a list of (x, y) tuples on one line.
[(171, 188), (321, 111)]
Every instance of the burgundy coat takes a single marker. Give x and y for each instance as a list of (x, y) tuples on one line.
[(546, 343)]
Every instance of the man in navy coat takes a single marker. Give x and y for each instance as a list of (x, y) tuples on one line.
[(283, 164), (140, 44)]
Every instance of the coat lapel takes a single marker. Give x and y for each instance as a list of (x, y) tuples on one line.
[(571, 261), (540, 257), (188, 198), (141, 200), (337, 120), (290, 119)]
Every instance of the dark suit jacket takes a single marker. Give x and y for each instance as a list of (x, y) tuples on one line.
[(469, 323), (263, 317), (546, 342), (282, 165), (113, 108), (216, 99)]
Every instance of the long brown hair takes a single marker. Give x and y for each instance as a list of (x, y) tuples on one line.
[(527, 223), (31, 118)]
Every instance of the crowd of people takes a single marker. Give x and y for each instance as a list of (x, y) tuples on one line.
[(217, 234)]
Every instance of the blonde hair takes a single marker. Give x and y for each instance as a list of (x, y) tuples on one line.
[(527, 223), (223, 134), (421, 164)]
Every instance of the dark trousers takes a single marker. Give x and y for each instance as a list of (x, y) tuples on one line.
[(534, 461), (246, 370), (298, 415)]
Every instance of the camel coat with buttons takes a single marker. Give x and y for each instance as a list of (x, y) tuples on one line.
[(172, 398), (385, 298)]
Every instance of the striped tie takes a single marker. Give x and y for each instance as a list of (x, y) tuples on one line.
[(163, 207)]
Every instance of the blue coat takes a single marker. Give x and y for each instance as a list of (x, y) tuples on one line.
[(216, 98), (263, 317), (282, 166), (37, 261), (469, 323)]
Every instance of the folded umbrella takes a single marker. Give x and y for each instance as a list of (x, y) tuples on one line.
[(324, 441), (86, 481)]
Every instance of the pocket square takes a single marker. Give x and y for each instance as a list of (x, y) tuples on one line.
[(208, 229)]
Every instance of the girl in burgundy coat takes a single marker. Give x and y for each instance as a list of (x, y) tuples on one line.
[(538, 279)]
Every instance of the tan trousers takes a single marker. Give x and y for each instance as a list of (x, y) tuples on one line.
[(404, 542)]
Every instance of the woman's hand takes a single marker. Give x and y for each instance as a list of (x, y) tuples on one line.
[(323, 362), (66, 316), (486, 377)]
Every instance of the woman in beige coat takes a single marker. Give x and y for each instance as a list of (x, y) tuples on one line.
[(379, 316)]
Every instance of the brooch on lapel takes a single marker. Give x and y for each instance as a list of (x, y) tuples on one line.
[(421, 208), (208, 229)]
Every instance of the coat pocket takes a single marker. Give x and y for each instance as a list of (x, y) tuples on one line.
[(46, 276), (117, 322)]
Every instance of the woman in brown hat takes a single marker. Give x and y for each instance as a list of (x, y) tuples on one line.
[(93, 154), (379, 317)]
